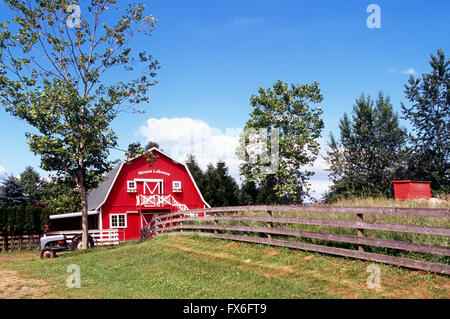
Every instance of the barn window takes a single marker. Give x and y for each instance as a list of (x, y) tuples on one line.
[(131, 186), (118, 220), (176, 186)]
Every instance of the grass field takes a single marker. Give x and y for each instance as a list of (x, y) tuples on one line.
[(193, 267)]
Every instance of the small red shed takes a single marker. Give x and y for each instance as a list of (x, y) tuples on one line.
[(133, 194), (408, 189)]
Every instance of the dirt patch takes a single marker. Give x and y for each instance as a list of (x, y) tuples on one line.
[(17, 256), (12, 286)]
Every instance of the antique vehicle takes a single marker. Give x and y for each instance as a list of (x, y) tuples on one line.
[(55, 243)]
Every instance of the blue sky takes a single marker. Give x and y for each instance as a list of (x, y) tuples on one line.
[(215, 54)]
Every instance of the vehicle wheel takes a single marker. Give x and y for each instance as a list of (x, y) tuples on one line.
[(76, 243), (47, 253)]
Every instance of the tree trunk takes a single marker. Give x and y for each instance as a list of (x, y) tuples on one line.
[(84, 211)]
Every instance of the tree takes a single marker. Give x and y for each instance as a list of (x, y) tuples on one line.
[(370, 151), (60, 196), (429, 114), (134, 149), (196, 172), (31, 182), (12, 193), (55, 73), (4, 226), (220, 189), (293, 111), (150, 145), (248, 194)]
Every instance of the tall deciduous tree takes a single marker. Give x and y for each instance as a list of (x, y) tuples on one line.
[(56, 60), (370, 151), (293, 111), (60, 195), (429, 114)]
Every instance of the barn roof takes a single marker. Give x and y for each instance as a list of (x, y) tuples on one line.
[(97, 197)]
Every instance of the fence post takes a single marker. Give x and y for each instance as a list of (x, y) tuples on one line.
[(5, 242), (360, 231), (269, 225), (215, 223)]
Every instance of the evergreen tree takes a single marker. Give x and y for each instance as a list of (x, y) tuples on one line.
[(370, 152), (12, 193), (266, 195), (248, 193), (429, 114), (31, 182), (196, 171), (220, 189)]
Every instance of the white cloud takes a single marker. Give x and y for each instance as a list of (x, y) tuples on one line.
[(179, 137), (2, 172), (320, 182), (182, 136), (410, 71)]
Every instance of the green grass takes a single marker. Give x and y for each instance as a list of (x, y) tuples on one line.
[(193, 267)]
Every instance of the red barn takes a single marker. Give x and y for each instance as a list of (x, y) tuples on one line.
[(408, 189), (133, 194)]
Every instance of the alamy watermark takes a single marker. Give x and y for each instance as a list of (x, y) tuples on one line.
[(74, 19), (374, 279), (74, 279), (374, 19), (256, 150)]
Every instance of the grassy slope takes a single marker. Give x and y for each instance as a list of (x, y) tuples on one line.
[(191, 267)]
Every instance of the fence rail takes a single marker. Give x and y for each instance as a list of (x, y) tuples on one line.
[(209, 226)]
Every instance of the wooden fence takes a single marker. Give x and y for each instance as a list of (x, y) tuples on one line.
[(237, 220), (24, 242)]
